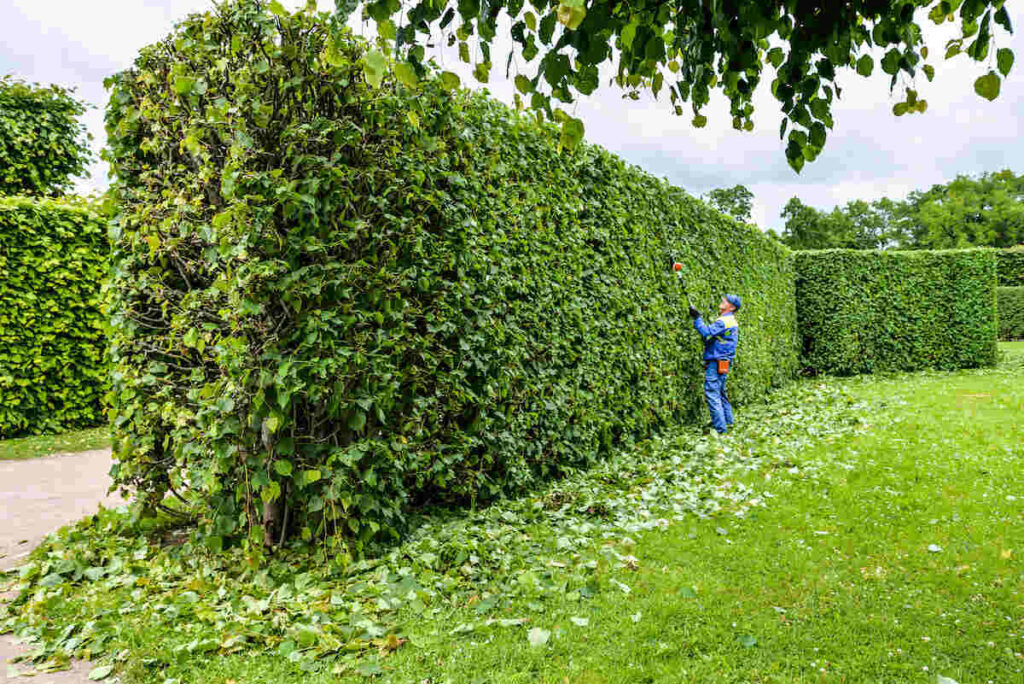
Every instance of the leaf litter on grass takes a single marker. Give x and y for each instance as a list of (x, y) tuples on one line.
[(92, 588)]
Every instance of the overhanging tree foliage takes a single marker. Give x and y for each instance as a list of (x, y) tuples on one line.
[(43, 145), (685, 49)]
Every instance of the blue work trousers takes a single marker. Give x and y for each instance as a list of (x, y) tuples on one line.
[(718, 400)]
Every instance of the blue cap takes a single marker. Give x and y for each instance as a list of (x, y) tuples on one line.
[(734, 300)]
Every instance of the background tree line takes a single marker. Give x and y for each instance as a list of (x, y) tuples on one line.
[(985, 211)]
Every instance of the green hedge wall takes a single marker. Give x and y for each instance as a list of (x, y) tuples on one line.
[(868, 311), (339, 301), (1011, 266), (1011, 312), (53, 258)]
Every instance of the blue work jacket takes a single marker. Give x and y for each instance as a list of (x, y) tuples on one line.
[(720, 338)]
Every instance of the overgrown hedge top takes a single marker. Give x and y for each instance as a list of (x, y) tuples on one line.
[(345, 300), (868, 311), (1011, 266), (53, 259), (43, 145)]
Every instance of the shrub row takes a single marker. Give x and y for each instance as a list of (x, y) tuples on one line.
[(1011, 313), (1011, 266), (53, 258), (869, 311), (335, 301)]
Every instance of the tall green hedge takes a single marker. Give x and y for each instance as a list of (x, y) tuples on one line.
[(43, 145), (53, 258), (868, 311), (1011, 312), (336, 301), (1011, 266)]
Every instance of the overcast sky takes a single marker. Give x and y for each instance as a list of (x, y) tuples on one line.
[(870, 153)]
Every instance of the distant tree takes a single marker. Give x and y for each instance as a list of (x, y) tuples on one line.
[(43, 145), (987, 211), (969, 212), (735, 201), (808, 228)]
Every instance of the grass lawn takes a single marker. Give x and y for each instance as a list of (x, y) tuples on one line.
[(47, 445), (870, 535)]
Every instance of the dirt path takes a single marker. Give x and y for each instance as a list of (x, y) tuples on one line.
[(36, 497)]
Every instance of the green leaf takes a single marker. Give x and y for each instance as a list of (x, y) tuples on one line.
[(523, 84), (310, 476), (776, 57), (283, 467), (900, 108), (891, 62), (572, 133), (406, 75), (988, 86), (865, 65), (688, 592), (1004, 60), (51, 580), (183, 85), (101, 672), (450, 80), (374, 66), (357, 420), (627, 36), (700, 121), (538, 637), (571, 13), (482, 72), (276, 8)]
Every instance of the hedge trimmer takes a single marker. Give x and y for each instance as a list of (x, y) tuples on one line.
[(678, 269)]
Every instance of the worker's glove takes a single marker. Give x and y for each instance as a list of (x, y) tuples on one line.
[(694, 313)]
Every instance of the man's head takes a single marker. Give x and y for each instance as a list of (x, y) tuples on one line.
[(730, 303)]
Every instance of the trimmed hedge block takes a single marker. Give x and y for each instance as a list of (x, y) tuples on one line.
[(1011, 313), (359, 299), (871, 311), (53, 258), (1011, 266)]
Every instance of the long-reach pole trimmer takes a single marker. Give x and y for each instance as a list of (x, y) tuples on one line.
[(678, 268)]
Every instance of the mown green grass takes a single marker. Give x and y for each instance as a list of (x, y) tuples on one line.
[(47, 445), (891, 552), (833, 582)]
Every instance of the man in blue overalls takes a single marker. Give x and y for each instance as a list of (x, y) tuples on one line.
[(720, 339)]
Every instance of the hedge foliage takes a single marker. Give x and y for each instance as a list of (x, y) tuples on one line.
[(1011, 266), (869, 311), (53, 258), (335, 301), (43, 145), (1011, 312)]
